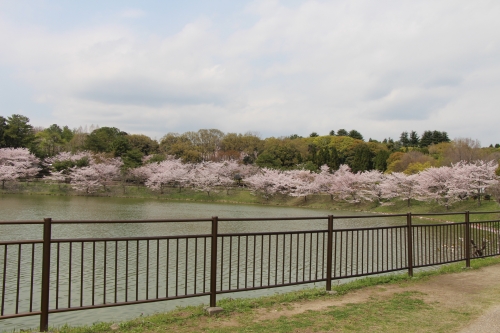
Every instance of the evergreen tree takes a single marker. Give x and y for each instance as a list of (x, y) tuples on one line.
[(414, 139), (362, 159), (342, 132), (380, 160), (355, 135), (18, 133), (405, 141)]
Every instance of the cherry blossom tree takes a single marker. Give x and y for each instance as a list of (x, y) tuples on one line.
[(439, 184), (400, 185), (86, 179), (64, 161), (226, 171), (90, 178), (301, 183), (168, 172), (17, 163), (325, 181), (475, 177), (205, 178), (263, 182), (371, 185), (348, 185)]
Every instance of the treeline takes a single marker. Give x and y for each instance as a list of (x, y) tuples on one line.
[(410, 154)]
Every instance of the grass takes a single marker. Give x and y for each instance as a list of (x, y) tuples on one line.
[(245, 196), (405, 311)]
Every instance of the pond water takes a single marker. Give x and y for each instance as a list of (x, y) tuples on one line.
[(25, 207)]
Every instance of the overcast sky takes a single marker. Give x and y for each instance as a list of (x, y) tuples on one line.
[(273, 67)]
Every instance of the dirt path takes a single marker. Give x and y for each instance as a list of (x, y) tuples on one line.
[(477, 290)]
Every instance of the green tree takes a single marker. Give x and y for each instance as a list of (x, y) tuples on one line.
[(106, 140), (355, 135), (313, 135), (279, 154), (433, 137), (143, 143), (414, 140), (132, 159), (18, 132), (3, 127), (404, 139), (362, 159), (380, 160), (342, 132), (332, 133)]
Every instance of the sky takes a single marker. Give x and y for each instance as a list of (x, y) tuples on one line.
[(274, 68)]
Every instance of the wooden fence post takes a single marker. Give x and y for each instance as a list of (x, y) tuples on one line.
[(47, 235)]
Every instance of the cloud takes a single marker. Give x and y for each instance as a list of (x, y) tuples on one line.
[(380, 68)]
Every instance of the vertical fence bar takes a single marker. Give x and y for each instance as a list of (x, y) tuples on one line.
[(467, 239), (329, 252), (47, 235), (409, 234), (213, 264)]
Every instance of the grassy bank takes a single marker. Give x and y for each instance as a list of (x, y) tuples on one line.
[(402, 311), (244, 196)]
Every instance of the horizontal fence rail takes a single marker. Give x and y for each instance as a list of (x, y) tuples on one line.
[(52, 275)]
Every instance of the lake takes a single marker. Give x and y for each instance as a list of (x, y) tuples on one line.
[(25, 207)]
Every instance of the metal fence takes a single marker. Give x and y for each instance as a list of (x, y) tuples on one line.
[(51, 275)]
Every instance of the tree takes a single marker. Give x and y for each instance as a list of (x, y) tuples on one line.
[(342, 132), (462, 149), (404, 139), (17, 163), (85, 179), (64, 161), (433, 137), (143, 143), (168, 172), (279, 154), (380, 160), (439, 184), (313, 135), (302, 183), (18, 132), (362, 159), (3, 127), (264, 182), (106, 140), (397, 184), (347, 185), (332, 133), (474, 178), (355, 135), (204, 177), (372, 185), (414, 140), (51, 140)]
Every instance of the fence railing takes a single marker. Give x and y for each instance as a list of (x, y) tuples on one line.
[(51, 275)]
